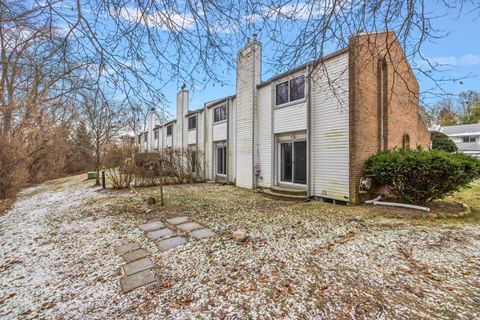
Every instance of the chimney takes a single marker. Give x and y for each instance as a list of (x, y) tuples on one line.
[(249, 68), (151, 123), (182, 110)]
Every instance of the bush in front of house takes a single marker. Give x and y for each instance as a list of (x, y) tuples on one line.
[(420, 176), (440, 141)]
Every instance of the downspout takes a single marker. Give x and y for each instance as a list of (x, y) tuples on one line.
[(272, 129), (253, 120), (309, 136), (205, 140), (228, 141), (382, 107)]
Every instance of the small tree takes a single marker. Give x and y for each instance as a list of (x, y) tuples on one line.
[(440, 141), (420, 176)]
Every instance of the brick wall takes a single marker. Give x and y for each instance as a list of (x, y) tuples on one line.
[(370, 55)]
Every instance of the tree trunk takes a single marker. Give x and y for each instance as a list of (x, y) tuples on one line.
[(97, 165)]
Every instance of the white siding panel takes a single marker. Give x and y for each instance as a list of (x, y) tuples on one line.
[(264, 156), (330, 130), (192, 135), (291, 118), (169, 142), (220, 131)]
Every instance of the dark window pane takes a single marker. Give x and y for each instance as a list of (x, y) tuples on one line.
[(139, 139), (145, 137), (282, 93), (300, 162), (169, 130), (286, 162), (219, 114), (222, 160), (155, 133), (192, 122), (297, 88)]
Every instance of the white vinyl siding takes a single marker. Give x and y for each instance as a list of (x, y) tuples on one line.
[(264, 150), (192, 136), (169, 142), (220, 131), (291, 118), (330, 130)]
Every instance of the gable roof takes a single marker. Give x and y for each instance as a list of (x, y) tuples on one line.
[(461, 130)]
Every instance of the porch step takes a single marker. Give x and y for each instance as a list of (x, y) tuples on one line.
[(282, 196), (290, 191)]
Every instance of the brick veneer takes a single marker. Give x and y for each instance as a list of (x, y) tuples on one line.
[(367, 53)]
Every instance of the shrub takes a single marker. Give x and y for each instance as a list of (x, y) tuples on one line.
[(440, 141), (420, 176)]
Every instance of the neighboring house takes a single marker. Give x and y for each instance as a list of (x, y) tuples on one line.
[(465, 136), (307, 131)]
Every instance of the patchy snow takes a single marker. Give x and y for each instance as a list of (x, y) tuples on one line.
[(302, 260)]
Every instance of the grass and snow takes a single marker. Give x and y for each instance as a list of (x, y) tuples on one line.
[(302, 260)]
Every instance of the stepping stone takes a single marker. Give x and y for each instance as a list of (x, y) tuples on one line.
[(189, 226), (202, 233), (136, 280), (162, 233), (151, 226), (177, 220), (167, 244), (135, 255), (126, 247), (137, 266)]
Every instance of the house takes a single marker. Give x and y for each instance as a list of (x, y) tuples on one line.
[(305, 132), (465, 136)]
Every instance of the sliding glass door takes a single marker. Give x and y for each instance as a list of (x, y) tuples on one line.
[(293, 162)]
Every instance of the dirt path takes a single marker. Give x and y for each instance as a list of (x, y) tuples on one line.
[(55, 260)]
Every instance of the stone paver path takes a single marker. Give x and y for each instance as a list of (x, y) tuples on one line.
[(189, 226), (167, 244), (202, 233), (177, 220), (151, 226), (136, 280), (135, 255), (137, 266), (157, 234)]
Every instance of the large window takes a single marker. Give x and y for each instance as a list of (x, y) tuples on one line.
[(192, 122), (469, 139), (169, 130), (139, 139), (222, 160), (219, 114), (155, 133), (290, 90), (145, 137)]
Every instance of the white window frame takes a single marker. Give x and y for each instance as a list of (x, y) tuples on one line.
[(188, 122), (171, 133), (288, 81), (225, 113), (225, 155)]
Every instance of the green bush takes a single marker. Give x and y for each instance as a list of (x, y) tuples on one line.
[(440, 141), (420, 176)]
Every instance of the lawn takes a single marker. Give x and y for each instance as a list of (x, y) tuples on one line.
[(302, 260)]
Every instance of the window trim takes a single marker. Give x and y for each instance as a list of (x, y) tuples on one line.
[(155, 133), (470, 138), (288, 81)]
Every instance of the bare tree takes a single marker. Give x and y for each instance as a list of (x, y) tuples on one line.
[(103, 122)]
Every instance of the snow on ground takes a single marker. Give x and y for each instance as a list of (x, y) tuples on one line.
[(303, 260)]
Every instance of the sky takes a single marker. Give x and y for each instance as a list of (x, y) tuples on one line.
[(458, 53)]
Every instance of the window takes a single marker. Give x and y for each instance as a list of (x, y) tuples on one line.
[(282, 93), (297, 88), (139, 139), (219, 114), (145, 137), (169, 130), (469, 139), (290, 90), (222, 160), (192, 122), (406, 142), (155, 134)]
